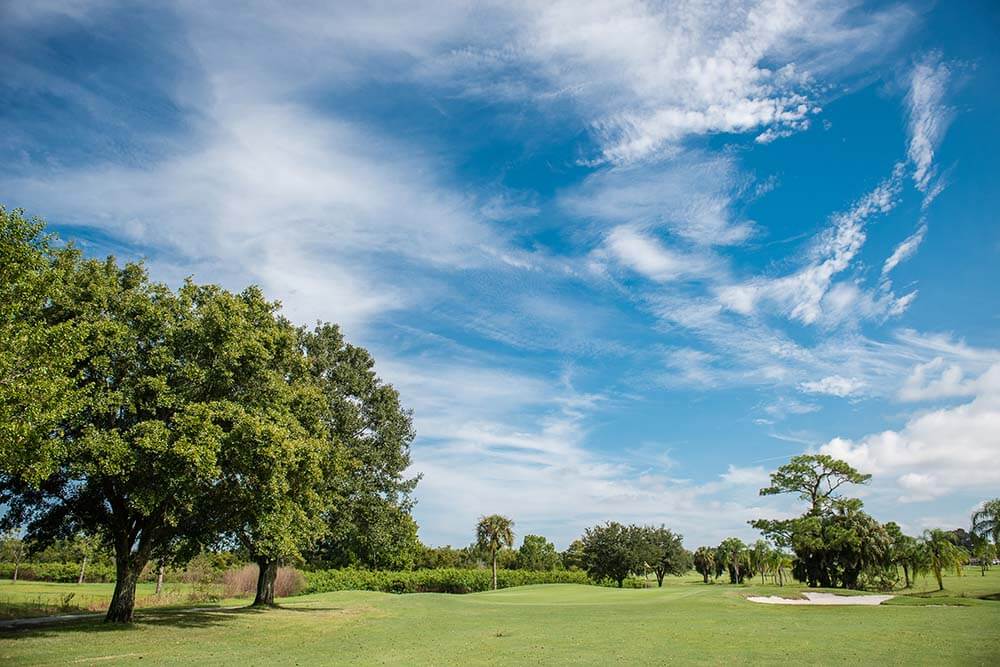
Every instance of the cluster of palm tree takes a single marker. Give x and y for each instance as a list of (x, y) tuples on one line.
[(743, 562)]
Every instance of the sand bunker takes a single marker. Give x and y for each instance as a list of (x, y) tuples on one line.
[(825, 598)]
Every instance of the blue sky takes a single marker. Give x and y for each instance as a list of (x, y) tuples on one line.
[(621, 259)]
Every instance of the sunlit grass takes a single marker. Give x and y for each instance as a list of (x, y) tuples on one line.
[(684, 622)]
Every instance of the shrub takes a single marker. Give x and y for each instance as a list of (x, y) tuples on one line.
[(243, 582), (443, 580)]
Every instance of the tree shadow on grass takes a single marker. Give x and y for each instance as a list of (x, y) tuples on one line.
[(173, 618)]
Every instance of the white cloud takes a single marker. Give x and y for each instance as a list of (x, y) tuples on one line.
[(834, 385), (278, 196), (928, 117), (937, 379), (646, 76), (936, 452), (801, 295), (904, 250), (752, 476), (691, 197), (647, 256)]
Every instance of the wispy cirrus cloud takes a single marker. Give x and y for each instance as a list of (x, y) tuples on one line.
[(810, 292), (929, 118)]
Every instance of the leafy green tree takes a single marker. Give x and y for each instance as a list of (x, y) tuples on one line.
[(275, 456), (537, 553), (37, 391), (12, 550), (834, 541), (759, 558), (661, 550), (574, 557), (375, 535), (493, 533), (942, 553), (129, 464), (610, 552), (735, 557), (984, 552), (370, 520), (815, 478), (986, 520), (704, 562), (905, 552)]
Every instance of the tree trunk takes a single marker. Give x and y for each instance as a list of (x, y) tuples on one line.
[(17, 562), (494, 569), (906, 575), (659, 579), (937, 575), (127, 569), (83, 569), (705, 576), (159, 580), (268, 572)]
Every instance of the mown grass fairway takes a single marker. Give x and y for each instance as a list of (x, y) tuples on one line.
[(685, 621), (26, 599)]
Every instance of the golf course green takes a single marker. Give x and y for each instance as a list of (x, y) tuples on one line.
[(685, 621)]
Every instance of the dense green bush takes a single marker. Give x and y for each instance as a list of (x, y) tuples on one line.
[(62, 572), (443, 580)]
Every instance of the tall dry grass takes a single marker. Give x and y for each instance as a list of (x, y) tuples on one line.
[(243, 582)]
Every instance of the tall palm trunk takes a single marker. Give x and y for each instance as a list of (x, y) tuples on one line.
[(494, 552)]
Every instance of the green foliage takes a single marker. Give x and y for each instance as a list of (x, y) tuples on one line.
[(446, 557), (37, 352), (815, 478), (537, 553), (493, 533), (574, 557), (611, 552), (704, 562), (57, 571), (835, 542), (661, 550), (734, 556), (942, 553), (369, 521), (443, 580), (986, 520)]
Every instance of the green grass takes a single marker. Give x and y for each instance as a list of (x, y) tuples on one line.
[(27, 599), (686, 621)]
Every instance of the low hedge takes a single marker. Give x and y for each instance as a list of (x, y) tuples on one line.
[(59, 572), (443, 580)]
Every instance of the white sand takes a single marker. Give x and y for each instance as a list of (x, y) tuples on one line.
[(825, 598)]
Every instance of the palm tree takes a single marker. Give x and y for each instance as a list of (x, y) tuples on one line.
[(986, 520), (493, 533), (758, 558), (942, 553), (704, 561)]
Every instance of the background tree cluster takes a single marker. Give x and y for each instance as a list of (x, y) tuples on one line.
[(160, 421), (837, 544), (614, 551)]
